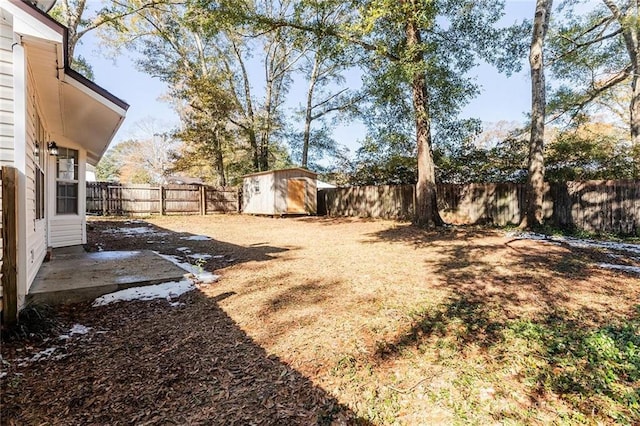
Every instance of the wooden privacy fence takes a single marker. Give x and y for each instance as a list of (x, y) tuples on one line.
[(114, 199), (594, 206)]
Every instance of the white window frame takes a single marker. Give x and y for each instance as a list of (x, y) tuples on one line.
[(67, 179), (40, 156)]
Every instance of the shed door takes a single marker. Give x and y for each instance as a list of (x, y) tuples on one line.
[(296, 195)]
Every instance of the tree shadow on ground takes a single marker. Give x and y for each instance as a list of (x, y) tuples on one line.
[(150, 363), (140, 235), (419, 237), (575, 335)]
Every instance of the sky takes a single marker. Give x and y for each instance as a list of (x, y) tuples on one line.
[(502, 98)]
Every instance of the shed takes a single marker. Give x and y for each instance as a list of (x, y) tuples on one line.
[(280, 192)]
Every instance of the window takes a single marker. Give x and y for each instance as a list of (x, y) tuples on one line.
[(67, 181), (39, 155)]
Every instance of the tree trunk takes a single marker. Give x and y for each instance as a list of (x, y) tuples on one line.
[(219, 159), (426, 208), (251, 128), (631, 36), (535, 179), (634, 107), (222, 179), (265, 132), (308, 113)]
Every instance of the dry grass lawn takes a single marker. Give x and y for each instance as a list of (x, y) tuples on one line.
[(399, 325)]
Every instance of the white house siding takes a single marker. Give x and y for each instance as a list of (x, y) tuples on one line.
[(6, 93), (36, 229), (6, 111), (67, 232)]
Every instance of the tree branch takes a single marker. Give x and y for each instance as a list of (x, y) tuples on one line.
[(594, 93), (323, 31)]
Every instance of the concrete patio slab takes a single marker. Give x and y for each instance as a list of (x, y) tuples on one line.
[(73, 275)]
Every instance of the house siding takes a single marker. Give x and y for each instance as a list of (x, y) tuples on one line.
[(67, 232), (6, 95), (6, 114), (36, 229)]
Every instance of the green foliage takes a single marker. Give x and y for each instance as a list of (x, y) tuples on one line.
[(456, 36), (392, 162), (81, 65), (589, 60), (108, 169), (593, 151), (588, 367), (321, 143), (144, 160), (205, 133), (504, 160)]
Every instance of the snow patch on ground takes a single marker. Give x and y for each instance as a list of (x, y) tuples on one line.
[(136, 231), (79, 329), (198, 256), (184, 249), (196, 238), (41, 356), (198, 273), (577, 242), (76, 329), (626, 268), (168, 291), (52, 353), (606, 246)]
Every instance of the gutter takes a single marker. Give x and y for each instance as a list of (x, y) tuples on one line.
[(68, 71)]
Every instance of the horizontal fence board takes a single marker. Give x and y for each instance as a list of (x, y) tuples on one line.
[(115, 199), (593, 206)]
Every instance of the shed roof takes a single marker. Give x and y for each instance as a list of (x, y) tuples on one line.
[(296, 169)]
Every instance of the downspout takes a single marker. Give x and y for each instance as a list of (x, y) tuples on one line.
[(20, 163)]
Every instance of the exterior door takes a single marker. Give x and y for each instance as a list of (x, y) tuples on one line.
[(296, 195)]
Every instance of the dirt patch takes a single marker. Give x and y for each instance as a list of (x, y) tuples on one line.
[(338, 320)]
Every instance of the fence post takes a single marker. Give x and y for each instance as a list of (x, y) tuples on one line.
[(104, 198), (161, 200), (414, 199), (9, 246), (203, 200)]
